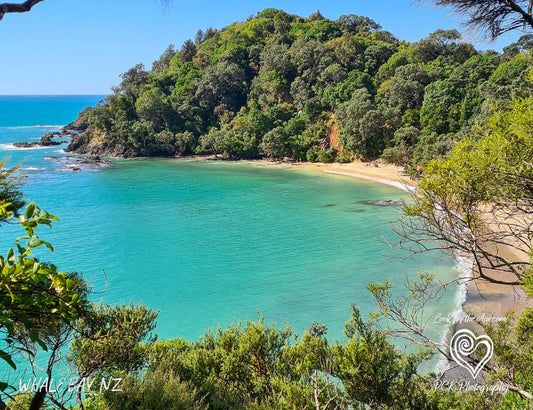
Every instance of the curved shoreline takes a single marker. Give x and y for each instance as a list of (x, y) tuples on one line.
[(386, 174), (396, 184), (476, 297)]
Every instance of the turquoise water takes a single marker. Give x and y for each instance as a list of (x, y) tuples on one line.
[(207, 243), (28, 110)]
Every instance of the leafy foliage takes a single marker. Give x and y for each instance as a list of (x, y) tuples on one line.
[(260, 366), (477, 203), (271, 86), (234, 91), (35, 297), (254, 365)]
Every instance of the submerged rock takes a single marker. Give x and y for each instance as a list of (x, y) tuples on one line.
[(387, 202), (79, 163), (26, 144)]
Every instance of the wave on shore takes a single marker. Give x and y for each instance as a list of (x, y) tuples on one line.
[(396, 184), (11, 147), (465, 268)]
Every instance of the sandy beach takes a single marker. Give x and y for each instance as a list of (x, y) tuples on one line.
[(377, 172)]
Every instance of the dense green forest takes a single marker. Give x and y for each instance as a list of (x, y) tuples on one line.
[(279, 85)]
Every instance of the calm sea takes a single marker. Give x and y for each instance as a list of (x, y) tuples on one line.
[(210, 243)]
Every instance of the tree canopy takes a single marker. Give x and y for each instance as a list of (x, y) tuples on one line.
[(477, 201), (238, 92)]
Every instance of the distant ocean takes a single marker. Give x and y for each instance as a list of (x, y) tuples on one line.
[(210, 243)]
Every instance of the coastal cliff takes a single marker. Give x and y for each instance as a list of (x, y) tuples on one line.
[(91, 144)]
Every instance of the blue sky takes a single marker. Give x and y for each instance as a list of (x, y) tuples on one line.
[(81, 47)]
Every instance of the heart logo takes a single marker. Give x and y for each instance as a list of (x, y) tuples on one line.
[(464, 343)]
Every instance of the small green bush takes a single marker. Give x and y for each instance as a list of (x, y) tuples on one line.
[(326, 156), (311, 155)]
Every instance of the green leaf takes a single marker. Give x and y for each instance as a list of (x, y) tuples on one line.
[(48, 245), (7, 358), (40, 242), (30, 210), (11, 256)]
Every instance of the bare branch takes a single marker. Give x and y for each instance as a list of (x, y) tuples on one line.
[(495, 16), (17, 7), (495, 236)]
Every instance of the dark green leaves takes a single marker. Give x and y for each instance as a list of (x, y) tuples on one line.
[(7, 358)]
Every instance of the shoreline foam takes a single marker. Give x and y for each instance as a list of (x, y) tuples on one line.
[(396, 184)]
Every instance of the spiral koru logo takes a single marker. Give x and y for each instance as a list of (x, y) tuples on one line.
[(464, 343)]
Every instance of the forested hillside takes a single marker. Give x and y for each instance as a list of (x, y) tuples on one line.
[(279, 85)]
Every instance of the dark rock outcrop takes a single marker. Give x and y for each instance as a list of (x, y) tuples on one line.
[(84, 144), (47, 140)]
